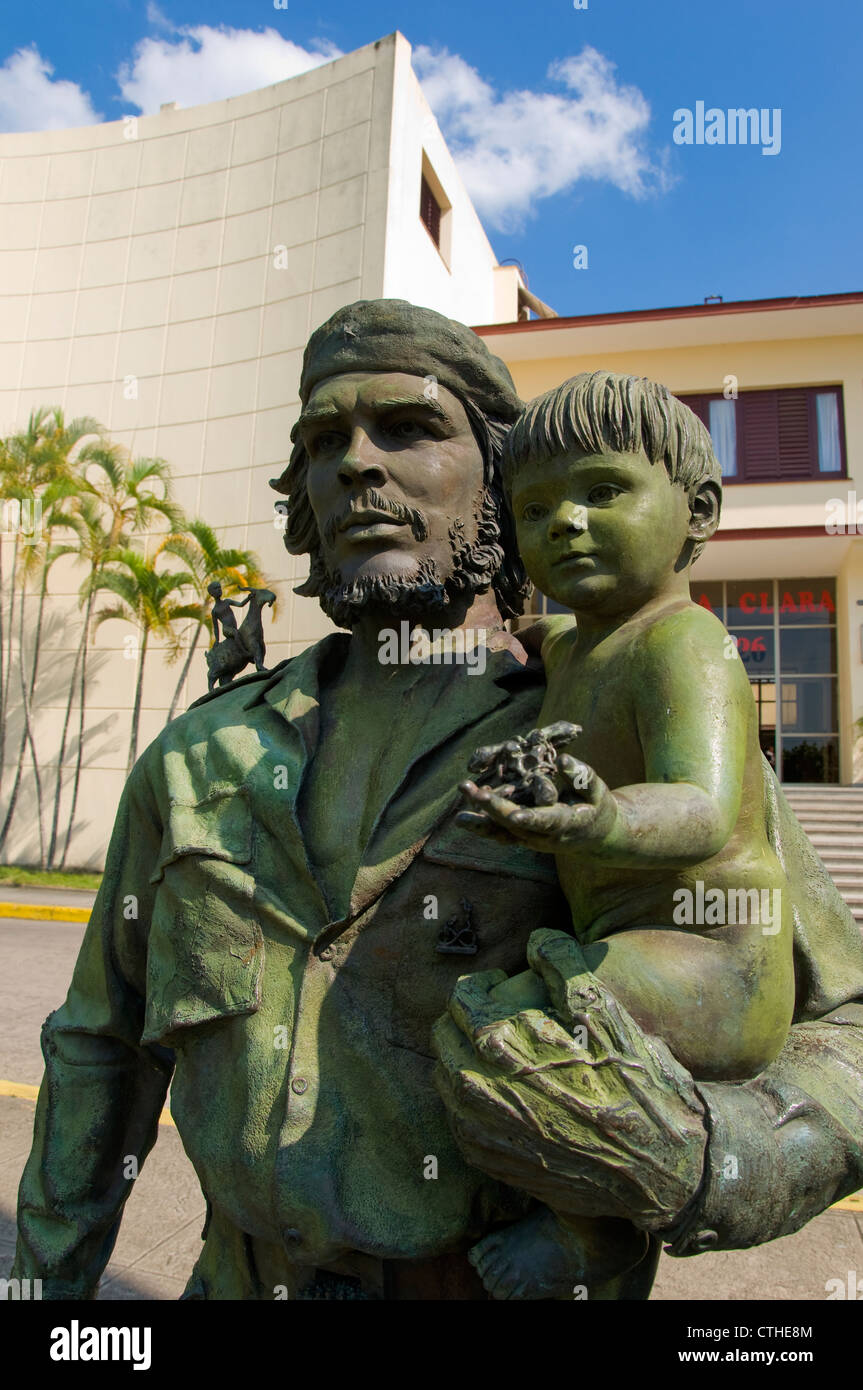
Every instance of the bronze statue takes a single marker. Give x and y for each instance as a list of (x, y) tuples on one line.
[(228, 657), (307, 904), (680, 905)]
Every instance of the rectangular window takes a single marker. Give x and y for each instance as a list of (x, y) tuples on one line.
[(429, 211), (775, 436), (786, 636), (829, 445), (722, 418)]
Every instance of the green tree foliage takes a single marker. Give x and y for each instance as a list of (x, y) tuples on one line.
[(68, 492)]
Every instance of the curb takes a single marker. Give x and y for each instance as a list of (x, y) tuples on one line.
[(45, 912), (21, 1091)]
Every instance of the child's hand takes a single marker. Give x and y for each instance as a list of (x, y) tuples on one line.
[(564, 825)]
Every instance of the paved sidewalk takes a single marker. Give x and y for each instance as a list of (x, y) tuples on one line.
[(160, 1235)]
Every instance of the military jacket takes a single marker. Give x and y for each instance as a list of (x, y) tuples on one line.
[(299, 1044)]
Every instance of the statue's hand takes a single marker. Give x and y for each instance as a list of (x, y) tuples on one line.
[(564, 825), (570, 1102)]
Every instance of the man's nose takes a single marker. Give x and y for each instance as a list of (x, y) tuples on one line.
[(568, 520), (363, 462)]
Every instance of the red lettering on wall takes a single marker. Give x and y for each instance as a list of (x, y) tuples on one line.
[(747, 603), (787, 605), (827, 604), (705, 602), (807, 604)]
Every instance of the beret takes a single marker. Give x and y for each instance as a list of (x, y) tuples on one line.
[(392, 335)]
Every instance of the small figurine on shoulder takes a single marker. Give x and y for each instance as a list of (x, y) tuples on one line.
[(239, 645)]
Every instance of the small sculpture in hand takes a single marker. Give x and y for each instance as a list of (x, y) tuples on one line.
[(531, 771), (239, 645)]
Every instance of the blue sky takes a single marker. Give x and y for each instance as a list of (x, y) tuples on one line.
[(562, 121)]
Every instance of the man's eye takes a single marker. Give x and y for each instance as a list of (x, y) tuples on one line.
[(602, 493), (534, 511), (407, 429), (325, 442)]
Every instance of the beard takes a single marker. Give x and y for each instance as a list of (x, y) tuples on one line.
[(426, 594)]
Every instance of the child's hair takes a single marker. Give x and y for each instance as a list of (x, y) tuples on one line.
[(598, 411)]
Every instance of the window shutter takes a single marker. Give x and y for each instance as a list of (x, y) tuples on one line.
[(777, 433), (798, 448), (429, 211), (758, 428)]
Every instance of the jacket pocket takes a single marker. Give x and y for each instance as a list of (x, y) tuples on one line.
[(459, 910), (219, 826), (206, 949)]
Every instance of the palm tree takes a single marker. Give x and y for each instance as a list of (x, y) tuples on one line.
[(199, 549), (37, 472), (38, 559), (92, 548), (117, 497), (147, 600)]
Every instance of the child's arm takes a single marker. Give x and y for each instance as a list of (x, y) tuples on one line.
[(692, 707), (721, 997), (540, 636)]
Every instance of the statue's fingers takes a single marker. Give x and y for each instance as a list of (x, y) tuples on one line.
[(470, 1005), (581, 778), (559, 960), (486, 798), (451, 1047), (481, 825), (547, 822)]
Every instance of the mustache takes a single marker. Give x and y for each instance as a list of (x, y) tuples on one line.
[(373, 500)]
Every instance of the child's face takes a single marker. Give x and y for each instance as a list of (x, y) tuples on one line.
[(600, 532)]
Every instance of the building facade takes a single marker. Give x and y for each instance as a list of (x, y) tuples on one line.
[(163, 274)]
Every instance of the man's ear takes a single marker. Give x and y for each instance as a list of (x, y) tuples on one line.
[(705, 504)]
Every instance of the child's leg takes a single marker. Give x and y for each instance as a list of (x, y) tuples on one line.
[(544, 1257)]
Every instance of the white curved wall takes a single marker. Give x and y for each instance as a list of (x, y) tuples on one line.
[(146, 250)]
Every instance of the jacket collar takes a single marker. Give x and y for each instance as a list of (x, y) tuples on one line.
[(294, 692)]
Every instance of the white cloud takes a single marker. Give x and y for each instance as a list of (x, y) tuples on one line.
[(158, 19), (31, 100), (205, 64), (519, 147)]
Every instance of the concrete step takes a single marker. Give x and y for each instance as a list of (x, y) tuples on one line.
[(827, 799), (845, 803), (840, 825)]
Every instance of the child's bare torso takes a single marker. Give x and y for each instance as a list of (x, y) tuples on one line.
[(597, 690)]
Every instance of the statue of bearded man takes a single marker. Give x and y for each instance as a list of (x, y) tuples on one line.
[(301, 881)]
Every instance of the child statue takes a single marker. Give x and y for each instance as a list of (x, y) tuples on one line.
[(658, 825)]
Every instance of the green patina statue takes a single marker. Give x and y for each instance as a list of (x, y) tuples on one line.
[(683, 909), (307, 898), (239, 645)]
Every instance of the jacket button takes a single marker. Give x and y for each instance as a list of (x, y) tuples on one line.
[(291, 1236), (299, 1085)]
